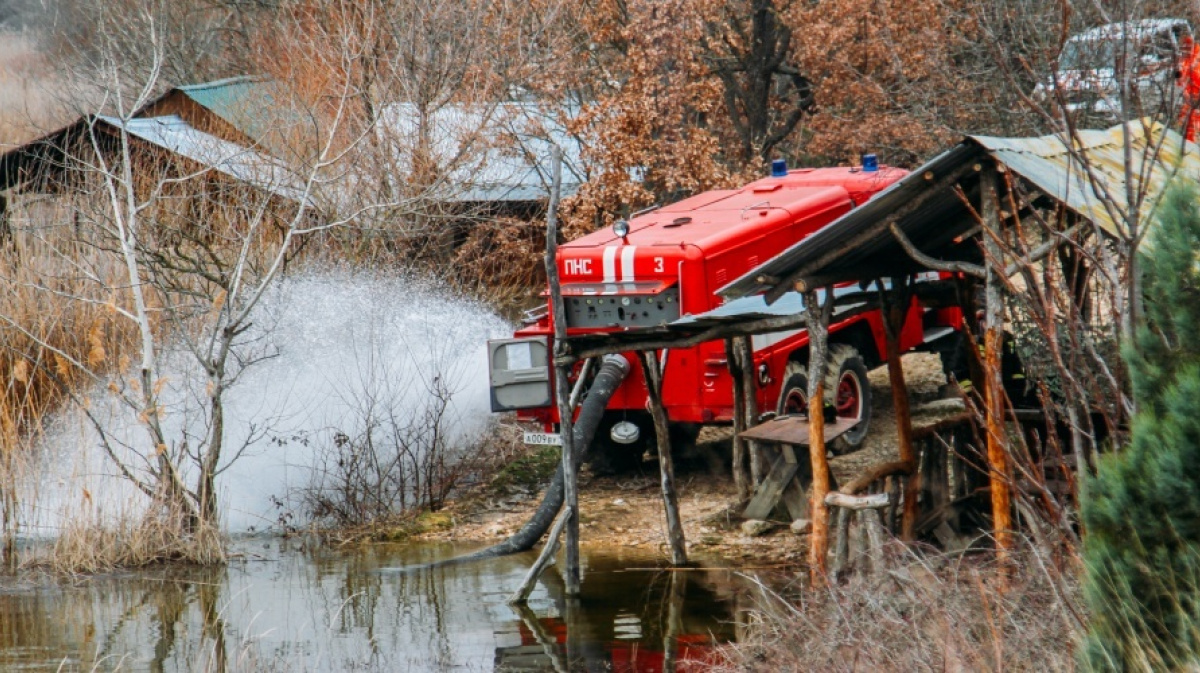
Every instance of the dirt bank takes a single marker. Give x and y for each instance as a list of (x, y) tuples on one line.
[(627, 511)]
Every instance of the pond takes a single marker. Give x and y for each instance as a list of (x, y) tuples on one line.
[(281, 606)]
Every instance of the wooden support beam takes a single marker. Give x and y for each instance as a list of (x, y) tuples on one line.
[(877, 472), (1000, 474), (871, 520), (817, 318), (841, 545), (749, 388), (896, 304), (740, 422), (653, 376), (806, 279), (545, 558), (930, 262), (561, 388), (591, 345)]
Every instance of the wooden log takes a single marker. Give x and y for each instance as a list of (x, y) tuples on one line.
[(745, 353), (817, 318), (926, 431), (545, 558), (896, 303), (857, 502), (841, 545), (993, 343), (893, 492), (870, 521), (740, 421), (565, 412), (771, 488), (877, 472), (674, 625), (666, 466)]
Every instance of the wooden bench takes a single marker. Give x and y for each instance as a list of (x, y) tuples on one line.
[(781, 482)]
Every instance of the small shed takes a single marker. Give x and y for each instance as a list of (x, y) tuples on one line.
[(246, 110)]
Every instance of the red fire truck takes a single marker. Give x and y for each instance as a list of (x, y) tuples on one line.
[(669, 262)]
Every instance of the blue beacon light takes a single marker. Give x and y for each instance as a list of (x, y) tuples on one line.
[(779, 168)]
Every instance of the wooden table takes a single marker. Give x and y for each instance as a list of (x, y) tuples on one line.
[(781, 483)]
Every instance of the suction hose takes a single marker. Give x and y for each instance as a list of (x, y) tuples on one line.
[(612, 372)]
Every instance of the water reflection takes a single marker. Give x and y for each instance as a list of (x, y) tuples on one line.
[(284, 608)]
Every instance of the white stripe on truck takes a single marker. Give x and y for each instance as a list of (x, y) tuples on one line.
[(610, 264), (627, 263)]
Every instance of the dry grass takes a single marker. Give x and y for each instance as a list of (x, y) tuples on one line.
[(952, 614), (135, 540)]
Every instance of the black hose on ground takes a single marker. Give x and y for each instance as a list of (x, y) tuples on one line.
[(612, 372)]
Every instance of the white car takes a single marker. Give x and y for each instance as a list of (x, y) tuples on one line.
[(1087, 68)]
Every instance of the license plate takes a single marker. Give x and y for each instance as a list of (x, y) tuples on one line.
[(543, 438)]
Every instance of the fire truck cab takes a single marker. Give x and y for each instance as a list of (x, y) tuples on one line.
[(668, 263)]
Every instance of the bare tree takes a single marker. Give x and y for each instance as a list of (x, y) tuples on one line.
[(181, 248)]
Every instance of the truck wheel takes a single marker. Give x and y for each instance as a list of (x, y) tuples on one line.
[(846, 389), (793, 397), (849, 391)]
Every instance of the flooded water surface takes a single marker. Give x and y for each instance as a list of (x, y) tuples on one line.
[(277, 606)]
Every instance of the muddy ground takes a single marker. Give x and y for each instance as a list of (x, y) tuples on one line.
[(627, 510)]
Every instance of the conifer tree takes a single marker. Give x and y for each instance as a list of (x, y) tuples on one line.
[(1142, 510)]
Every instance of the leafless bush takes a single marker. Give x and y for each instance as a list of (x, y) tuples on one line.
[(956, 614), (402, 450)]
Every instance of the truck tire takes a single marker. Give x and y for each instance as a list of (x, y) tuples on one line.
[(849, 391), (846, 389)]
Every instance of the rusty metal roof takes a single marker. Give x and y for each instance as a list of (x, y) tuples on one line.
[(1090, 180), (1090, 177)]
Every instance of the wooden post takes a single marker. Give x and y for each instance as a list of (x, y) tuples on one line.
[(561, 388), (666, 466), (895, 304), (750, 403), (740, 422), (541, 636), (817, 317), (545, 558), (674, 625), (1000, 480)]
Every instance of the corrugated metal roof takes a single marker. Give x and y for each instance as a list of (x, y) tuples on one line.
[(1158, 155), (248, 103), (931, 214), (859, 239), (755, 307), (174, 134), (493, 153)]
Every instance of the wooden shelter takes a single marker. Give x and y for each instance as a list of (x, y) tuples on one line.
[(933, 235)]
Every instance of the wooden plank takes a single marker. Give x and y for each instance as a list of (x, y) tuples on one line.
[(795, 499), (771, 489), (857, 502), (841, 544), (794, 430)]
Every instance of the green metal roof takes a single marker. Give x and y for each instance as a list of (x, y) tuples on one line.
[(248, 103)]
